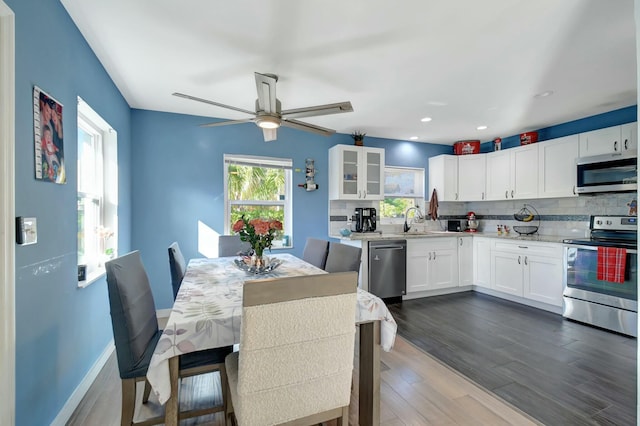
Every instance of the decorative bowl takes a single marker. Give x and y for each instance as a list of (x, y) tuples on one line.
[(345, 232), (269, 264), (525, 230)]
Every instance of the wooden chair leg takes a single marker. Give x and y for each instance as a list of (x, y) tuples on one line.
[(225, 390), (128, 401), (147, 391), (343, 420)]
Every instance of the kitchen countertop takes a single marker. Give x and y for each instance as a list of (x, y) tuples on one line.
[(370, 236)]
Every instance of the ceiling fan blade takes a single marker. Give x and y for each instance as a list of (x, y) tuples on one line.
[(206, 101), (295, 124), (266, 86), (227, 122), (318, 110), (270, 134)]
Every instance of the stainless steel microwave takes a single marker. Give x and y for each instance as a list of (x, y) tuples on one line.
[(607, 173)]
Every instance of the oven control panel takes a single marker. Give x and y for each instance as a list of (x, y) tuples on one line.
[(614, 223)]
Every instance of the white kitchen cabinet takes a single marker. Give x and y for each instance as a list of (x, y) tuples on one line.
[(513, 173), (443, 177), (557, 167), (530, 270), (472, 177), (356, 173), (482, 261), (610, 140), (465, 261), (432, 264)]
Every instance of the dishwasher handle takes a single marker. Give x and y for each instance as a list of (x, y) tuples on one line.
[(389, 247)]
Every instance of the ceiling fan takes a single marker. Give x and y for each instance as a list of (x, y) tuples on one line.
[(269, 115)]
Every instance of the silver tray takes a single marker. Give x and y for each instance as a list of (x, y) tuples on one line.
[(269, 265)]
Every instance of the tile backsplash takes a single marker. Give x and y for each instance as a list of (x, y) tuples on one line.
[(558, 216)]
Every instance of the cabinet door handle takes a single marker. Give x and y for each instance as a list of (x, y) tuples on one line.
[(506, 194), (483, 195), (518, 260), (365, 193), (626, 144), (615, 145), (512, 193), (574, 190), (434, 255), (429, 255), (525, 260), (460, 240), (524, 247)]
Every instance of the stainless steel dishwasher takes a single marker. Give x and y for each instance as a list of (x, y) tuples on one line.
[(388, 269)]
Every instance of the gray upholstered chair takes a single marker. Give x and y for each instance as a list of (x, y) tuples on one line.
[(315, 252), (342, 258), (136, 333), (178, 267), (231, 245), (296, 351)]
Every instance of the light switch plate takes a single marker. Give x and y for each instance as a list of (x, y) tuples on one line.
[(26, 230)]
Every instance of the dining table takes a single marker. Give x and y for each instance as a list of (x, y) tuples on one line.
[(207, 314)]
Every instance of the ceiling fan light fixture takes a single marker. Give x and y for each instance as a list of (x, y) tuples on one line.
[(268, 122)]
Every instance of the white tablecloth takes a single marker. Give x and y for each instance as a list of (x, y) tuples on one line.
[(207, 312)]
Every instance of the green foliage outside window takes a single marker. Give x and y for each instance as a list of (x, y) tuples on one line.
[(395, 206), (251, 184)]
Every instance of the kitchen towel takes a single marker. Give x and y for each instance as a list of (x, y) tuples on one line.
[(433, 205), (612, 262)]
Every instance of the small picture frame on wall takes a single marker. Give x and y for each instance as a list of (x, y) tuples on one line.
[(48, 138)]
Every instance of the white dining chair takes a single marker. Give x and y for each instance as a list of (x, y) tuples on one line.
[(296, 351)]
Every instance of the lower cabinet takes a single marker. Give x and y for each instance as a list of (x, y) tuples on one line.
[(432, 264), (465, 261), (482, 261), (530, 270)]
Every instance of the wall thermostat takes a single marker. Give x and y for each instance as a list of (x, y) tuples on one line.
[(26, 230)]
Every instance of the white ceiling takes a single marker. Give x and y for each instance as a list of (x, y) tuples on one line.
[(464, 63)]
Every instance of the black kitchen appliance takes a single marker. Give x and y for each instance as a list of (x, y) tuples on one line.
[(364, 219), (610, 305), (454, 225)]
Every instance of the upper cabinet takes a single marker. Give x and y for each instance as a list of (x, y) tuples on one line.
[(443, 177), (513, 173), (471, 177), (557, 167), (356, 173), (609, 140)]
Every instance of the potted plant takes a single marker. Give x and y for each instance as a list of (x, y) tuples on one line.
[(358, 137)]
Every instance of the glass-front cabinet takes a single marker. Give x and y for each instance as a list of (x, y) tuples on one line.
[(356, 173)]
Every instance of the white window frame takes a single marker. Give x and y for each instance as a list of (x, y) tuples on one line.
[(287, 203), (91, 122), (419, 197)]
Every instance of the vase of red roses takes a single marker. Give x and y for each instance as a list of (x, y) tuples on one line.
[(259, 233)]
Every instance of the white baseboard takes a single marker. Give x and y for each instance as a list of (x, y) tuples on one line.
[(76, 397), (163, 313)]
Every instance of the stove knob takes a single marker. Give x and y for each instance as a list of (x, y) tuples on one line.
[(598, 222), (609, 222)]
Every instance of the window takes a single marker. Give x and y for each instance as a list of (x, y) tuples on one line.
[(97, 193), (259, 187), (403, 188)]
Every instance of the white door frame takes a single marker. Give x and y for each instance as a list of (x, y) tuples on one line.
[(7, 209)]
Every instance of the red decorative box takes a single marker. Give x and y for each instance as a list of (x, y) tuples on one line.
[(528, 137), (466, 147)]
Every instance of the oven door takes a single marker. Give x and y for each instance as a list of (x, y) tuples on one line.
[(581, 282)]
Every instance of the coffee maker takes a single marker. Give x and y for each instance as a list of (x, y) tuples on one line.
[(364, 219)]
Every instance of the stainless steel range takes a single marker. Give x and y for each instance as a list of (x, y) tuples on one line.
[(594, 301)]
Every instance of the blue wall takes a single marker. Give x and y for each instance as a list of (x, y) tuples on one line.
[(60, 329)]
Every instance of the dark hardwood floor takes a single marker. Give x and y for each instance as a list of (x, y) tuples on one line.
[(558, 371)]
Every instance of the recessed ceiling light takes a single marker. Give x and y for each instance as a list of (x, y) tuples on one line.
[(482, 127), (426, 119), (413, 138), (437, 103), (544, 94)]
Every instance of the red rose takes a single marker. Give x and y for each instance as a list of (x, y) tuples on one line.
[(261, 228), (276, 224), (237, 227)]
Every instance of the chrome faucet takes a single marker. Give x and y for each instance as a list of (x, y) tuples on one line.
[(418, 214)]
